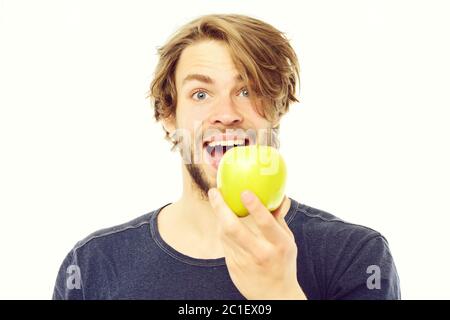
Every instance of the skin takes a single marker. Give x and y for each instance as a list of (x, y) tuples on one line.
[(260, 249)]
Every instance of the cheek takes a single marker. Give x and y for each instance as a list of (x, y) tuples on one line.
[(189, 115), (254, 112), (189, 125), (257, 119)]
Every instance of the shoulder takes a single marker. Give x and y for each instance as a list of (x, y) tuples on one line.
[(119, 240), (94, 262), (111, 239), (321, 227), (341, 256), (332, 240), (115, 232)]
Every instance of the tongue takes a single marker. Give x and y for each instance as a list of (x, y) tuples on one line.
[(217, 154)]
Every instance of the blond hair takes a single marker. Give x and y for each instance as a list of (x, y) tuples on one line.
[(262, 55)]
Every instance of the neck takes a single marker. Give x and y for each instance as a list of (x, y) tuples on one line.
[(189, 224), (191, 220), (194, 210)]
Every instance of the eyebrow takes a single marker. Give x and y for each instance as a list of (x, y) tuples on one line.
[(203, 78)]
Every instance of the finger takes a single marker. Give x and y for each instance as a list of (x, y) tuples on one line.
[(278, 211), (220, 207), (232, 229), (282, 218), (264, 219)]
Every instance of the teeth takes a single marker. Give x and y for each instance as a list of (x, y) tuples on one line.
[(226, 143)]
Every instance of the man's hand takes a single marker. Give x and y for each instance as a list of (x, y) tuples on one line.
[(262, 261)]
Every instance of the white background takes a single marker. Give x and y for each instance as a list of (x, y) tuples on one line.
[(80, 151)]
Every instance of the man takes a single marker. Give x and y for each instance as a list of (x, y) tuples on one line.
[(225, 80)]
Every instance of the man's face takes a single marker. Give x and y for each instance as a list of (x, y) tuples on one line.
[(214, 110)]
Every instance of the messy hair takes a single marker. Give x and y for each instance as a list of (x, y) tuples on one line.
[(262, 55)]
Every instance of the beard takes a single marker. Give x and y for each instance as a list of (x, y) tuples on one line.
[(199, 178)]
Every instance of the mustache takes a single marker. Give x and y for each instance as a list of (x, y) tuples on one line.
[(210, 133), (184, 136), (191, 144)]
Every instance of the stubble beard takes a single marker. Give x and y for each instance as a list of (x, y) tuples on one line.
[(200, 181)]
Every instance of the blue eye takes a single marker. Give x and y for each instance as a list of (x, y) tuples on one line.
[(244, 92), (200, 95)]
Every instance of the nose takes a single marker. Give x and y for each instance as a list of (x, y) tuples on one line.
[(225, 113)]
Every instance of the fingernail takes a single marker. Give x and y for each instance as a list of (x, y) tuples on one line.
[(247, 196)]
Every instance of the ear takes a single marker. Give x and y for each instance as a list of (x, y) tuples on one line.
[(276, 123), (169, 124)]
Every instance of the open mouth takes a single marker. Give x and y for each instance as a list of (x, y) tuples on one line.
[(217, 148)]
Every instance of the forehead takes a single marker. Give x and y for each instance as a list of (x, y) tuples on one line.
[(211, 58)]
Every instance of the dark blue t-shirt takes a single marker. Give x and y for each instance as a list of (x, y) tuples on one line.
[(336, 260)]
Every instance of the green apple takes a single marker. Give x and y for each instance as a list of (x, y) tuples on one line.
[(258, 168)]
